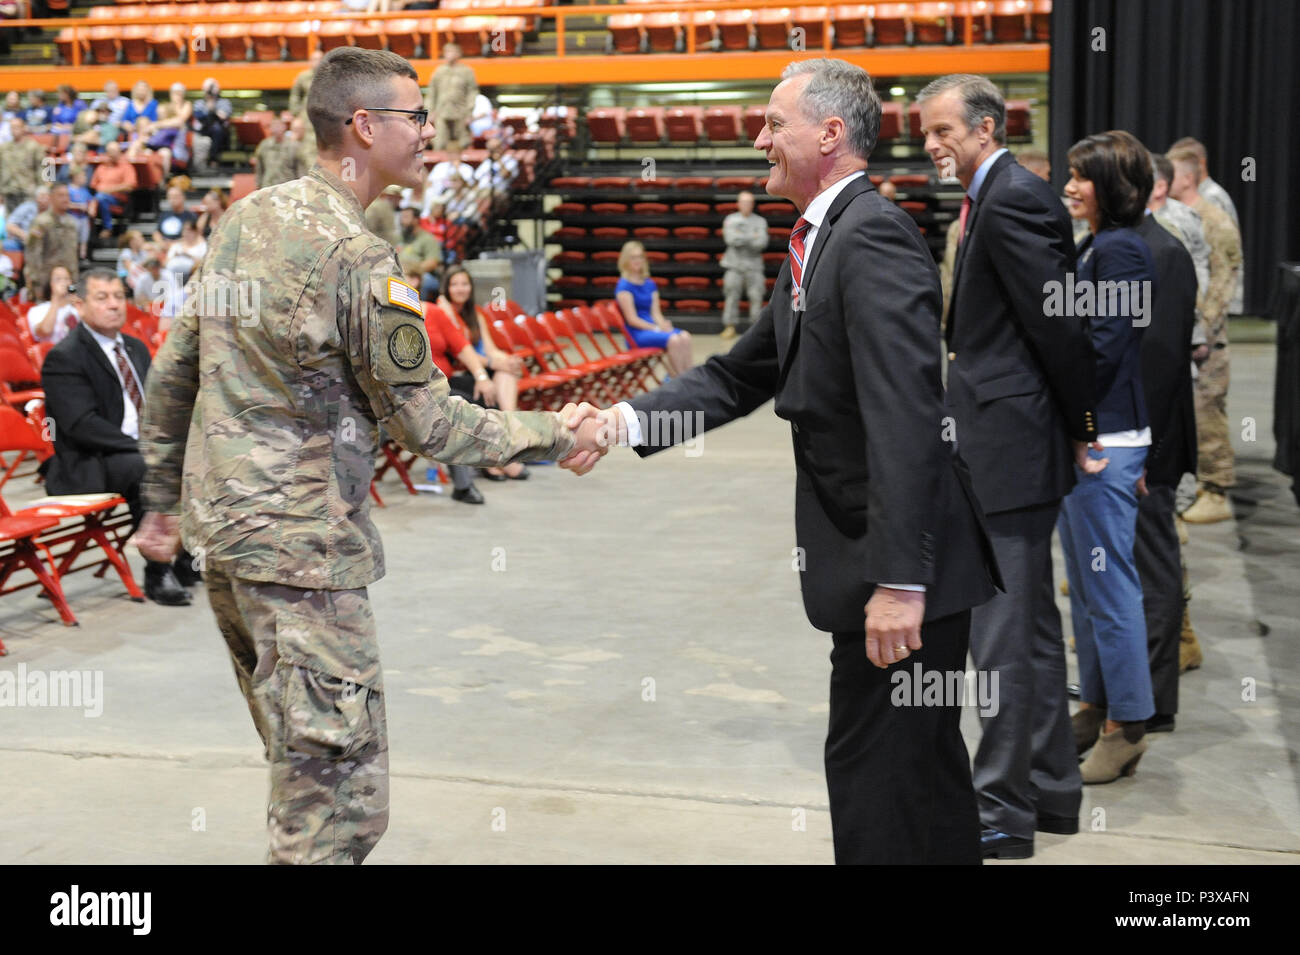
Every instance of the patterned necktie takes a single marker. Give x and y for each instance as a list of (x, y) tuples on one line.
[(961, 223), (797, 251), (128, 378)]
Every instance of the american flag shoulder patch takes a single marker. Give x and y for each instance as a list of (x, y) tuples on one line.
[(404, 296)]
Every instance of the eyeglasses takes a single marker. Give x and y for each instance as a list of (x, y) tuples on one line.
[(421, 115)]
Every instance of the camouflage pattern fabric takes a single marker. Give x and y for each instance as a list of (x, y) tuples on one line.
[(1215, 458), (307, 662), (279, 161), (51, 241), (1211, 190), (298, 340), (20, 170), (450, 100)]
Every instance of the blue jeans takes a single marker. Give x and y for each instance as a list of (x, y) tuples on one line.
[(106, 208), (12, 245), (1098, 524)]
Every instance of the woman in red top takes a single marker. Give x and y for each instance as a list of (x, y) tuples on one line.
[(447, 343)]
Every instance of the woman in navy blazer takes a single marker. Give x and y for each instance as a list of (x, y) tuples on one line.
[(1110, 179)]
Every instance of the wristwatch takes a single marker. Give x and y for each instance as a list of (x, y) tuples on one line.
[(482, 376)]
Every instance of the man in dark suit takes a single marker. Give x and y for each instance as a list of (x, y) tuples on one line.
[(1167, 384), (885, 517), (1020, 385), (94, 389)]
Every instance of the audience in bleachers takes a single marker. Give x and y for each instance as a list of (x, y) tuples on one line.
[(638, 296), (96, 127), (51, 241), (173, 216), (66, 110), (20, 218), (21, 162), (450, 99), (112, 184), (186, 253), (418, 251), (212, 115), (215, 202)]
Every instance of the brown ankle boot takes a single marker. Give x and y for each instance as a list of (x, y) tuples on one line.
[(1112, 757), (1189, 648), (1087, 727)]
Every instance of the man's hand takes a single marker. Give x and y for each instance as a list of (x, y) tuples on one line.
[(1142, 484), (1086, 464), (158, 537), (596, 431), (1200, 353), (486, 389), (893, 625)]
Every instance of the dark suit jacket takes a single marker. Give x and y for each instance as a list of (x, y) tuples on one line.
[(880, 496), (84, 397), (1117, 255), (1166, 358), (1019, 380)]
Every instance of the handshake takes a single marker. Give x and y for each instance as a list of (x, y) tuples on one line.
[(596, 432)]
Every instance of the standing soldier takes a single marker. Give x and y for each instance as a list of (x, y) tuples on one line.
[(452, 91), (1215, 457), (260, 434), (21, 164), (302, 86), (51, 241), (278, 158), (746, 237), (1207, 188)]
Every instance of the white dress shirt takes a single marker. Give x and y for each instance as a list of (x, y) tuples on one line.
[(130, 416), (815, 214)]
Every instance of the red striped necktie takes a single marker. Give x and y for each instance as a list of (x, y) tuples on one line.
[(128, 379), (797, 236)]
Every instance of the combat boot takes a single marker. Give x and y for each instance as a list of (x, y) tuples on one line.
[(1210, 508)]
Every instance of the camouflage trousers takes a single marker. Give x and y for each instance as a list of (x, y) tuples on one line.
[(452, 132), (307, 662), (1215, 457), (736, 282)]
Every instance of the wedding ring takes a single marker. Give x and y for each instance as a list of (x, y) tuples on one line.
[(900, 649)]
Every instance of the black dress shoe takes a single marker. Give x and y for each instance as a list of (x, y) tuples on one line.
[(485, 473), (183, 568), (162, 587), (468, 495), (999, 845), (1161, 723), (1058, 825), (1072, 690)]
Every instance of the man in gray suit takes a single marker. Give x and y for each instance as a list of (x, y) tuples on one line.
[(746, 236)]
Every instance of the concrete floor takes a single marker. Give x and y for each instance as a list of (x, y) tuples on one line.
[(637, 684)]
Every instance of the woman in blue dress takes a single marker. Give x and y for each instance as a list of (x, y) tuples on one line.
[(638, 297)]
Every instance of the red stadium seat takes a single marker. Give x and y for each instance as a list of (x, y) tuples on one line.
[(103, 44), (891, 121), (692, 257), (570, 209), (644, 124), (405, 36), (1018, 117), (609, 232), (733, 183), (1011, 21), (755, 120), (726, 208), (650, 232), (692, 305), (691, 232), (696, 282), (889, 25), (571, 182), (567, 232), (663, 32), (932, 23), (562, 259), (722, 124), (850, 23), (605, 125), (1042, 20), (772, 27), (650, 208), (683, 124), (625, 31), (692, 209), (334, 33), (812, 20), (232, 41), (914, 121), (609, 208), (611, 182), (735, 29), (694, 182), (658, 182), (167, 42), (910, 180)]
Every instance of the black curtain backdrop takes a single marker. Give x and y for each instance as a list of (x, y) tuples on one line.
[(1224, 71)]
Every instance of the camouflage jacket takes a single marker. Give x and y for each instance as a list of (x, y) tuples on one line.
[(298, 340), (1209, 189), (20, 167), (452, 91), (51, 241), (1225, 268)]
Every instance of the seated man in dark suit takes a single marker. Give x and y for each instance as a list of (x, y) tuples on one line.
[(94, 388)]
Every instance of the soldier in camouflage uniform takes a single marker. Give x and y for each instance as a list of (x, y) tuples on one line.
[(1207, 188), (22, 162), (450, 100), (1215, 466), (278, 158), (261, 429), (745, 234), (51, 241), (302, 86)]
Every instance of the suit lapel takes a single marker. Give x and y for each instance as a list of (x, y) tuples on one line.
[(995, 170), (114, 383), (789, 318)]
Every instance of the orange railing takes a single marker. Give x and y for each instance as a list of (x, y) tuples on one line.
[(563, 66)]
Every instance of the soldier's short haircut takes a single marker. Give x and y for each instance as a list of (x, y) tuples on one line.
[(347, 79), (1184, 156), (1162, 168), (1120, 170), (979, 98), (839, 88), (1194, 146), (100, 274)]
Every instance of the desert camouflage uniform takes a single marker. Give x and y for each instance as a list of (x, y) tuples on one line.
[(279, 161), (1214, 444), (51, 241), (1190, 232), (21, 164), (298, 92), (1209, 189), (450, 99), (746, 238), (261, 429)]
